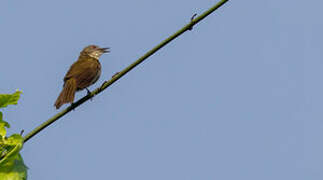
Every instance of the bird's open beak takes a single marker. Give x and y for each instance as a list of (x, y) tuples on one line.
[(105, 50)]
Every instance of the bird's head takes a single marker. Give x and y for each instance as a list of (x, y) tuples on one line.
[(94, 51)]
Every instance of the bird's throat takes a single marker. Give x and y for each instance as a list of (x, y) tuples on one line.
[(95, 55)]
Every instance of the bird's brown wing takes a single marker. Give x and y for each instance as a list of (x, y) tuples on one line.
[(85, 72)]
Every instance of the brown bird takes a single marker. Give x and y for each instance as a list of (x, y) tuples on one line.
[(83, 73)]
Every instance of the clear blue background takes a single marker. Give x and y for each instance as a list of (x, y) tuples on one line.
[(239, 97)]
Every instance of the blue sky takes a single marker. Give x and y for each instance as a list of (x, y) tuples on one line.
[(239, 97)]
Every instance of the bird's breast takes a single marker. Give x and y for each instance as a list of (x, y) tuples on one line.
[(98, 73)]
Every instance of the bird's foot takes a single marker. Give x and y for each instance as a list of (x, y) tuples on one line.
[(73, 106)]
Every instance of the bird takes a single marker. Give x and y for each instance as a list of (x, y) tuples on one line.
[(83, 73)]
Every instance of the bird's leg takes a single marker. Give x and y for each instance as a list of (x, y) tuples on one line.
[(89, 93)]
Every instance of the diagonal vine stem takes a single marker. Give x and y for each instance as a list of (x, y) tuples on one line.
[(117, 76)]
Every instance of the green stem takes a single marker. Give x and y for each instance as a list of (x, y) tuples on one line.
[(106, 84)]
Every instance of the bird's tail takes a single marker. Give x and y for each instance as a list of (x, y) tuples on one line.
[(67, 94)]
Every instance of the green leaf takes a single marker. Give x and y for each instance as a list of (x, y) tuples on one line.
[(3, 130), (3, 125), (11, 146), (9, 99), (12, 166), (16, 171)]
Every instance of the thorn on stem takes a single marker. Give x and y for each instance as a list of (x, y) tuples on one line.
[(115, 74), (103, 84), (192, 19), (194, 15)]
